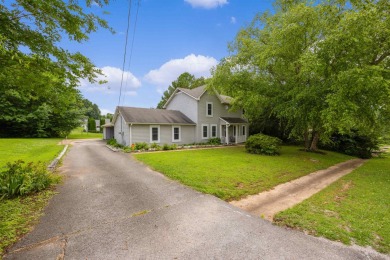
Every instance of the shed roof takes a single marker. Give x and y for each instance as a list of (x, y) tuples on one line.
[(234, 120), (153, 116)]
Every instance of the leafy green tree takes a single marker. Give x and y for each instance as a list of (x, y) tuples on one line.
[(320, 67), (185, 80), (92, 110), (38, 78)]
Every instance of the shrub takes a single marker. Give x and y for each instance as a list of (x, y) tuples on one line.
[(166, 147), (155, 146), (141, 146), (263, 144), (214, 141), (352, 144), (112, 142), (19, 179)]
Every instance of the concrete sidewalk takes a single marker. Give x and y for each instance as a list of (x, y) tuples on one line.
[(286, 195)]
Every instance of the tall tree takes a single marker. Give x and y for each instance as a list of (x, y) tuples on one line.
[(185, 80), (321, 67), (92, 110), (38, 78)]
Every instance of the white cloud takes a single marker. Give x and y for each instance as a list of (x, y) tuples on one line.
[(233, 20), (105, 111), (113, 77), (198, 65), (207, 4)]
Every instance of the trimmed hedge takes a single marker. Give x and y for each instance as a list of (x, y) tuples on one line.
[(263, 144)]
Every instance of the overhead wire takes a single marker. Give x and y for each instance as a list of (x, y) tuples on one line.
[(125, 52), (131, 48)]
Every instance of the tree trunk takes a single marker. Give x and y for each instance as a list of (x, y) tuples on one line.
[(314, 142), (307, 140)]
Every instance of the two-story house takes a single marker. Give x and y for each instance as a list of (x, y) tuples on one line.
[(189, 116)]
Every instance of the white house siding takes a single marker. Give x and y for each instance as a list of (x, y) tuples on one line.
[(121, 126), (141, 133), (219, 110), (186, 104)]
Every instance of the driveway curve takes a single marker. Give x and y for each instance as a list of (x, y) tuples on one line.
[(112, 207)]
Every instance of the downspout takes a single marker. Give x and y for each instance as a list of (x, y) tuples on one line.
[(131, 135)]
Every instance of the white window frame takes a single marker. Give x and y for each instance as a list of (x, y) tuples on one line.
[(173, 133), (208, 134), (207, 109), (151, 133), (211, 130), (244, 130)]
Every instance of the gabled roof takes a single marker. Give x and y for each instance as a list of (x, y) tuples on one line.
[(138, 115), (197, 93)]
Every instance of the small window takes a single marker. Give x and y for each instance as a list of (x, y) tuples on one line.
[(176, 134), (243, 130), (205, 131), (234, 130), (213, 131), (209, 109), (154, 134)]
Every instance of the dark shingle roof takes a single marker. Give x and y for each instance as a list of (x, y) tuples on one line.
[(153, 116), (198, 92), (195, 92), (234, 120)]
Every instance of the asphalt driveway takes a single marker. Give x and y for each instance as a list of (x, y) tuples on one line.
[(112, 207)]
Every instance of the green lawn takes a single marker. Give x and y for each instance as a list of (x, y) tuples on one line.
[(231, 173), (79, 134), (18, 215), (355, 209), (28, 149)]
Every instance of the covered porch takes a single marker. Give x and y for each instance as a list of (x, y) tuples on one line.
[(233, 130)]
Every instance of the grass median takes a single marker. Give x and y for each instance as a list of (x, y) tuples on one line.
[(231, 173)]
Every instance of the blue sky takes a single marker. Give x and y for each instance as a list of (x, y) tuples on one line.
[(171, 37)]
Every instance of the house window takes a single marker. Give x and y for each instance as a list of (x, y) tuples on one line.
[(209, 109), (155, 134), (234, 130), (213, 131), (176, 133), (205, 131), (243, 130)]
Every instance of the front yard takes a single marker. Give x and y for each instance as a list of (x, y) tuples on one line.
[(231, 173), (355, 209), (18, 215)]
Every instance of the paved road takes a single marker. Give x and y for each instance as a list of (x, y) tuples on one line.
[(112, 207)]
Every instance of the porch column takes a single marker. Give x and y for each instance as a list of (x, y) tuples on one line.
[(236, 137), (227, 134)]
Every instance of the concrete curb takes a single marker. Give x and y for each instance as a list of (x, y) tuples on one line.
[(54, 163)]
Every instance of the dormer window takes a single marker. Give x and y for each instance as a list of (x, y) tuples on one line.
[(209, 109)]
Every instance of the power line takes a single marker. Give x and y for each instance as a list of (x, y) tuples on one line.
[(132, 45), (124, 56)]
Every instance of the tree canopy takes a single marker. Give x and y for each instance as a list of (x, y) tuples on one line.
[(322, 67), (185, 80), (38, 78)]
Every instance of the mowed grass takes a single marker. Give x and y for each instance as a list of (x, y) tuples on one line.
[(17, 216), (231, 173), (355, 209), (79, 134), (28, 149)]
